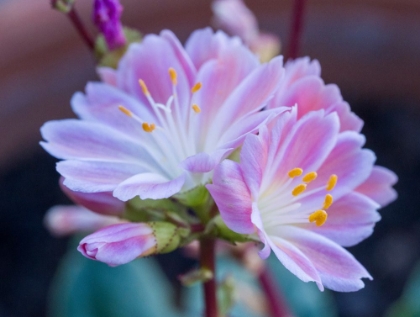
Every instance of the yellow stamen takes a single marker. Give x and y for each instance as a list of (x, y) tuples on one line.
[(172, 75), (144, 87), (332, 182), (319, 217), (309, 177), (148, 127), (196, 87), (299, 189), (328, 201), (196, 108), (295, 172), (125, 111)]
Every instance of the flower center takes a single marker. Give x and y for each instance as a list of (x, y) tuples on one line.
[(276, 211)]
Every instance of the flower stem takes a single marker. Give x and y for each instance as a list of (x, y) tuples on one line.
[(78, 24), (296, 28), (207, 261), (276, 303)]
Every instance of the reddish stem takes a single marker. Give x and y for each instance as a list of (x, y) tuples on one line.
[(207, 261), (276, 303), (78, 24), (296, 28)]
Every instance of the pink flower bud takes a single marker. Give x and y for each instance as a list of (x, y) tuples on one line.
[(121, 243), (66, 220)]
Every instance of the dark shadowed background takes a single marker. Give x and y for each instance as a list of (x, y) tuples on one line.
[(369, 48)]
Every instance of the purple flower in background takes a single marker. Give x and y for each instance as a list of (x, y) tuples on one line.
[(106, 16)]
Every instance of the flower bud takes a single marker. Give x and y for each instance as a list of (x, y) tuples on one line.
[(66, 220), (106, 16), (64, 6), (121, 243)]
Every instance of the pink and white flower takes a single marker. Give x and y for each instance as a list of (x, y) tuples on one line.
[(298, 186), (161, 122)]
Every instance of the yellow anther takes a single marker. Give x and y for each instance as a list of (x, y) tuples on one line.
[(309, 177), (196, 108), (172, 75), (295, 172), (144, 87), (125, 111), (299, 189), (319, 217), (196, 87), (148, 127), (332, 182), (328, 201)]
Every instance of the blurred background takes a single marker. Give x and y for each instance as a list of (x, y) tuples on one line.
[(369, 48)]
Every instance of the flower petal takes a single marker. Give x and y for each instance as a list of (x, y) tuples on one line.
[(203, 162), (378, 186), (232, 196), (350, 220), (102, 202), (149, 186), (338, 269), (72, 139), (108, 75), (92, 177)]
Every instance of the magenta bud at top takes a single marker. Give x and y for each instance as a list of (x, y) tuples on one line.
[(106, 16)]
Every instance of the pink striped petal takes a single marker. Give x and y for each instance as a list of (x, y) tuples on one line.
[(93, 177), (351, 219), (378, 186), (102, 203), (338, 269), (232, 197), (203, 162), (148, 186)]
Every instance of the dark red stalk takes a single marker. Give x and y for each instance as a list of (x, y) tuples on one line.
[(78, 24), (296, 28), (276, 303), (207, 261)]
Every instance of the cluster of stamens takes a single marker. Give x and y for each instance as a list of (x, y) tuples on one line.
[(150, 127), (320, 216)]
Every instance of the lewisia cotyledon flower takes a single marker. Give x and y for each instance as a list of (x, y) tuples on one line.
[(161, 122), (297, 187)]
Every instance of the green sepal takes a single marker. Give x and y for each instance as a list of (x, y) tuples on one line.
[(142, 210), (111, 58), (168, 236), (200, 275), (218, 228), (196, 197)]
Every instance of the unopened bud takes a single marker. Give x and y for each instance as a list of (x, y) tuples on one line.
[(106, 16), (121, 243), (64, 6)]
